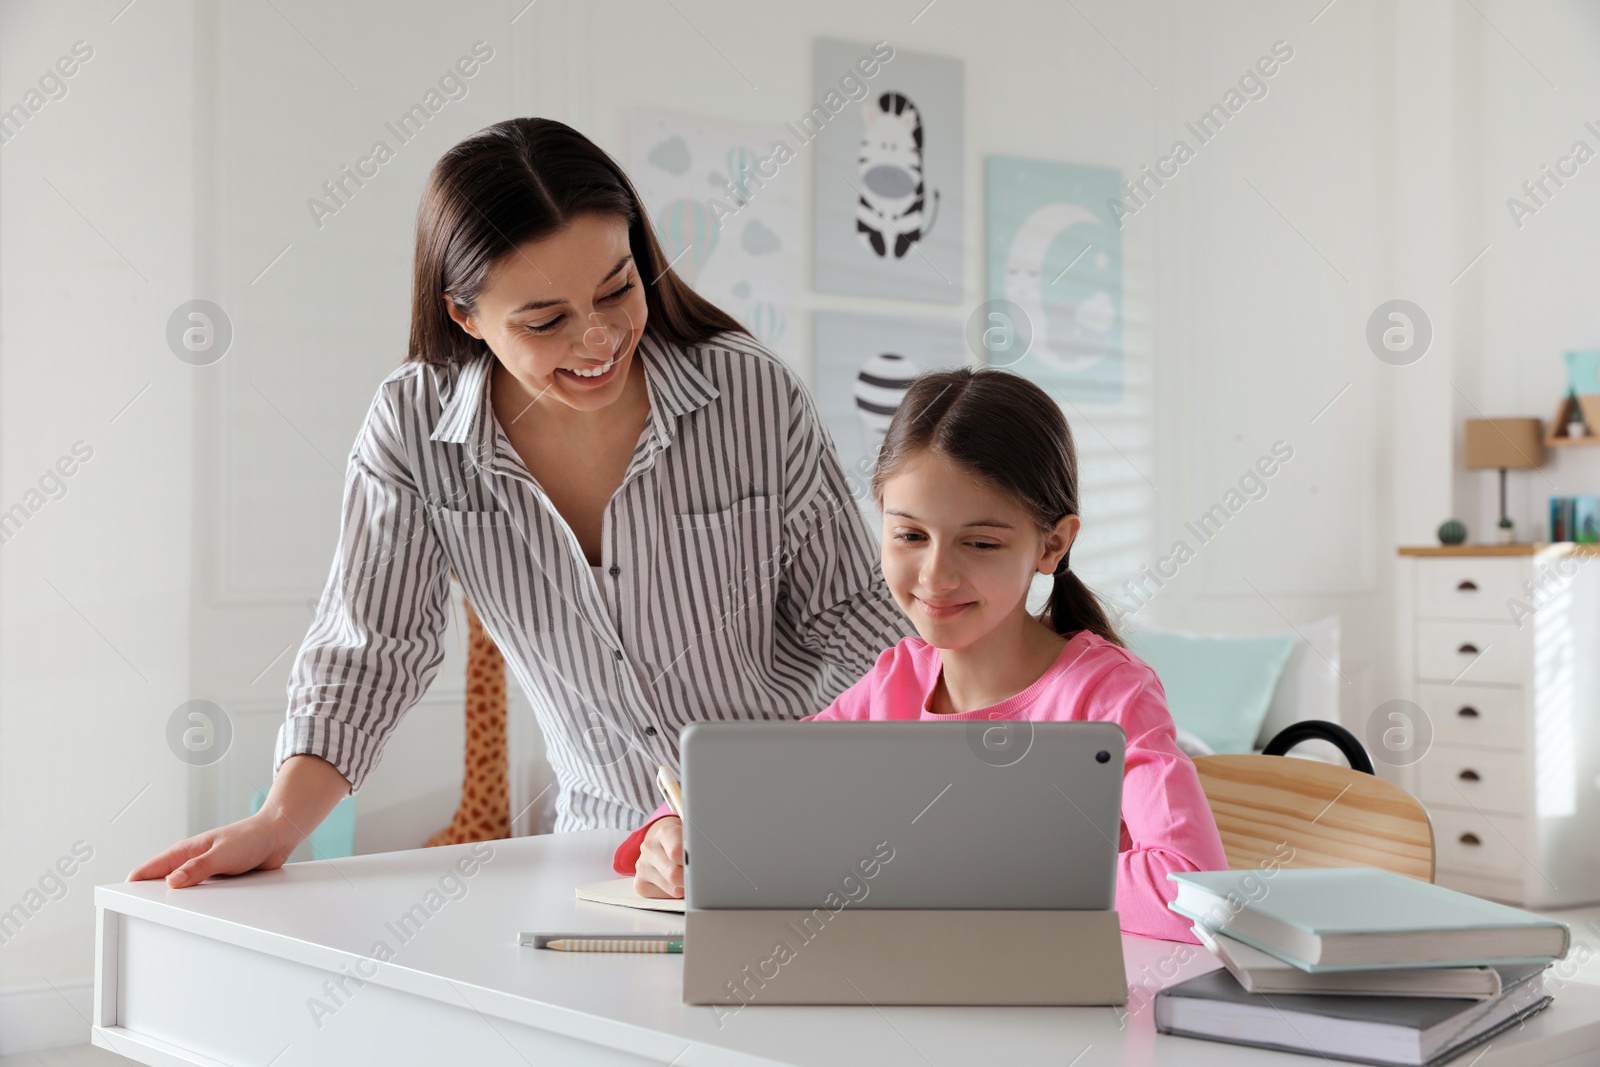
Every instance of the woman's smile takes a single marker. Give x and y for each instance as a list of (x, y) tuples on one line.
[(590, 376)]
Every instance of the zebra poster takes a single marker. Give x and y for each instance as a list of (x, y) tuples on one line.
[(863, 366), (727, 215), (886, 128), (1055, 255)]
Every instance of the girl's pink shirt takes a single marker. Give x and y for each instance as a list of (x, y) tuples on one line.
[(1166, 821)]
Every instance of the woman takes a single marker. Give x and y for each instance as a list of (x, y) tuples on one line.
[(637, 498)]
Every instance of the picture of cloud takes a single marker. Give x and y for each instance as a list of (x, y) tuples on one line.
[(671, 155), (758, 240)]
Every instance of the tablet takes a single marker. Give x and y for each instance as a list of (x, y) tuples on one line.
[(960, 814)]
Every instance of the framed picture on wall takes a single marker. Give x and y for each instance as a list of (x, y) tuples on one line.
[(1054, 256), (726, 214), (863, 366), (888, 176)]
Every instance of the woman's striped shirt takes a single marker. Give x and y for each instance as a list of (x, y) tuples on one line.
[(737, 578)]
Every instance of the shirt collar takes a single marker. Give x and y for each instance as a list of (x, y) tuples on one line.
[(676, 383), (469, 395)]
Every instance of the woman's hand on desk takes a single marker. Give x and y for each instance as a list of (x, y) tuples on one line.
[(659, 871), (305, 790), (255, 842)]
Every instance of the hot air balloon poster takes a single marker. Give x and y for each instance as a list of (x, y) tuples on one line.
[(889, 176), (863, 365), (1055, 258), (724, 200)]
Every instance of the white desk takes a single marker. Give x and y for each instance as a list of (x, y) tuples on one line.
[(227, 973)]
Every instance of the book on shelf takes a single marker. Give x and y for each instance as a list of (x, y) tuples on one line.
[(1575, 518), (1586, 519), (1354, 918)]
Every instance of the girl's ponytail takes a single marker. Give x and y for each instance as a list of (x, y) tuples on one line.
[(1073, 606)]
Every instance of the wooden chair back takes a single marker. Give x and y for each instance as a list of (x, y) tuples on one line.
[(1330, 816)]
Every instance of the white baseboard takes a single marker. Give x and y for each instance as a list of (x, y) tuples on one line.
[(44, 1015)]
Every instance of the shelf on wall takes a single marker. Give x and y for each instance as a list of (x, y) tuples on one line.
[(1589, 404), (1520, 548)]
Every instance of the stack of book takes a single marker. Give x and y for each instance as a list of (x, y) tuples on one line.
[(1356, 964), (1575, 518)]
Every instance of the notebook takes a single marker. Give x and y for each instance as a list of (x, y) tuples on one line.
[(1349, 918), (620, 891), (1260, 972), (1409, 1031)]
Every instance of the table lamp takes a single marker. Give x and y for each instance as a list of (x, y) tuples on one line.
[(1504, 444)]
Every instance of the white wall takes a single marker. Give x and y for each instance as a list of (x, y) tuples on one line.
[(1272, 253), (185, 550), (95, 587), (1536, 286)]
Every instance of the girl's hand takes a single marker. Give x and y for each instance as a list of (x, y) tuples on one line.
[(659, 871)]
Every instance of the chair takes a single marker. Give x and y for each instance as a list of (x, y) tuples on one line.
[(1330, 816)]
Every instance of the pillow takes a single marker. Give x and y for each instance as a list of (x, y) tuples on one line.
[(1218, 688), (1309, 686), (1192, 746)]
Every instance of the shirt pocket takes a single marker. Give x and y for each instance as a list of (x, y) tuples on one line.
[(723, 576), (491, 561)]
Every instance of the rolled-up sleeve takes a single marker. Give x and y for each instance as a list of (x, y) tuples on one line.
[(377, 639), (832, 593)]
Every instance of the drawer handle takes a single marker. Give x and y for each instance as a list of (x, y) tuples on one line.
[(1468, 712), (1470, 838), (1467, 585), (1469, 775), (1468, 649)]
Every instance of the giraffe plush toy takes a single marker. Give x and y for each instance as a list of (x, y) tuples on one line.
[(484, 813)]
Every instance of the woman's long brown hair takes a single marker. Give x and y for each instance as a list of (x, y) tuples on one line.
[(518, 181), (1008, 432)]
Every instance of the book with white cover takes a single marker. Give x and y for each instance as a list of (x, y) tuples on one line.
[(620, 891), (1261, 972), (1353, 918)]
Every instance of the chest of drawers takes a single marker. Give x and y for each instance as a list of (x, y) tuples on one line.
[(1499, 655)]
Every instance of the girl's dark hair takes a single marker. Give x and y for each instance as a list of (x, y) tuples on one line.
[(518, 181), (1008, 432)]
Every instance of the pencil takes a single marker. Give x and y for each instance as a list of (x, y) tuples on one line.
[(669, 789), (612, 944)]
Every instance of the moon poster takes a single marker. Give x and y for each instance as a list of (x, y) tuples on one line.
[(886, 128), (727, 214), (1055, 257), (863, 366)]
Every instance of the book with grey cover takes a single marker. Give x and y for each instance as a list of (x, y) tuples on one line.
[(1390, 1031), (1351, 918)]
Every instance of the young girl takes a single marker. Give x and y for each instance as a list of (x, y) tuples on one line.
[(978, 484)]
